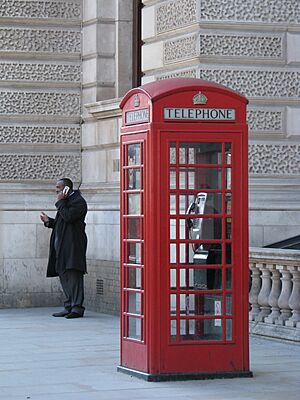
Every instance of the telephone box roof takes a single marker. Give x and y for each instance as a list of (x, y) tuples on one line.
[(158, 89)]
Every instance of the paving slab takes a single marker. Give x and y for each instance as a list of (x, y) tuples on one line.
[(47, 358)]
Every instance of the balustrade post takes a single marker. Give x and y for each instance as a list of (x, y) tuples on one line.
[(294, 300), (264, 293), (283, 300), (255, 289), (274, 294)]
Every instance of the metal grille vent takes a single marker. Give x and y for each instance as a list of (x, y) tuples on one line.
[(99, 286)]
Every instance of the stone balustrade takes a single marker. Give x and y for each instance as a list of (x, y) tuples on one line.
[(275, 293)]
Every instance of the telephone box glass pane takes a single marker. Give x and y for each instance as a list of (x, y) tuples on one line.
[(134, 228), (134, 204), (228, 253), (173, 304), (172, 204), (228, 228), (134, 179), (228, 279), (134, 154), (201, 203), (172, 279), (201, 330), (200, 178), (201, 228), (205, 254), (228, 304), (200, 304), (201, 279), (173, 326), (228, 203), (228, 178), (172, 229), (229, 329), (200, 153), (134, 253), (172, 179), (134, 279), (134, 303), (172, 153), (134, 328), (228, 153), (172, 253)]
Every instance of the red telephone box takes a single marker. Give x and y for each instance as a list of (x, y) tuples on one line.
[(184, 231)]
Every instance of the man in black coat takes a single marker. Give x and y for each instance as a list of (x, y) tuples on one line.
[(68, 242)]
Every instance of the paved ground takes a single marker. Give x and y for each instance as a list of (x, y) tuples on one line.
[(38, 362)]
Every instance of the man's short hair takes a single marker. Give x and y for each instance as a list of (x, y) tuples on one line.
[(67, 182)]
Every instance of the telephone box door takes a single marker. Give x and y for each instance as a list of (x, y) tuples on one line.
[(202, 252)]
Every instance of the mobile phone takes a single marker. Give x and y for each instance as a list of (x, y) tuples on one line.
[(66, 190)]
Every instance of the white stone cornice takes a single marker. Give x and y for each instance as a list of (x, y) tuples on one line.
[(104, 109)]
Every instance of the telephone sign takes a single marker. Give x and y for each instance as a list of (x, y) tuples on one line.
[(184, 231)]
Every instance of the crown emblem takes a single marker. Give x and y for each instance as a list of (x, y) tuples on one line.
[(136, 101), (200, 98)]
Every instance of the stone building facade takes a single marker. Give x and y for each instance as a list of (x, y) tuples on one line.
[(64, 67)]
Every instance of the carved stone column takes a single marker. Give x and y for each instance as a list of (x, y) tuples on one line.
[(294, 300), (274, 294), (264, 293), (255, 289), (283, 300)]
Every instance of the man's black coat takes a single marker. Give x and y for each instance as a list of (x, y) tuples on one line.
[(69, 230)]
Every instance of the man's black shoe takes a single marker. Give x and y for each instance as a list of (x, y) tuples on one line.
[(61, 313), (73, 315)]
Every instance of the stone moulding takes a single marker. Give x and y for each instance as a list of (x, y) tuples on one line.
[(267, 121), (40, 40), (274, 159), (39, 103), (39, 135), (39, 166), (40, 72), (262, 47), (40, 9)]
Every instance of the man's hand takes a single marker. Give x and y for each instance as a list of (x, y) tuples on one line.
[(44, 217)]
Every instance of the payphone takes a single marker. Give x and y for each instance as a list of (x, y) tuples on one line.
[(184, 231)]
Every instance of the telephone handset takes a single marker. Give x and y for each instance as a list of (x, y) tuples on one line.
[(195, 227)]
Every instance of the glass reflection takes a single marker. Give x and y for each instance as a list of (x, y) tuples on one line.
[(134, 179), (200, 153), (134, 204), (134, 154)]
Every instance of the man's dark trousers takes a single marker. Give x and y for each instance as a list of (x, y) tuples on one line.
[(72, 283)]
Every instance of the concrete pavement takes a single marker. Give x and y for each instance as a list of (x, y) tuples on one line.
[(40, 362)]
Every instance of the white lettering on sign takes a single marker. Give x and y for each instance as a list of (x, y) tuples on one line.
[(137, 116), (200, 114)]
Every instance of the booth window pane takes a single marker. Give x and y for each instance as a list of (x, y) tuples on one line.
[(201, 330), (201, 228), (172, 153), (200, 153), (228, 279), (228, 153), (200, 178), (229, 329), (134, 328), (228, 203), (172, 179), (201, 278), (134, 228), (172, 253), (173, 326), (134, 303), (228, 178), (172, 204), (200, 304), (134, 179), (134, 154), (172, 229), (228, 253), (134, 253), (173, 304), (173, 279), (134, 204), (228, 304), (134, 278), (228, 228)]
